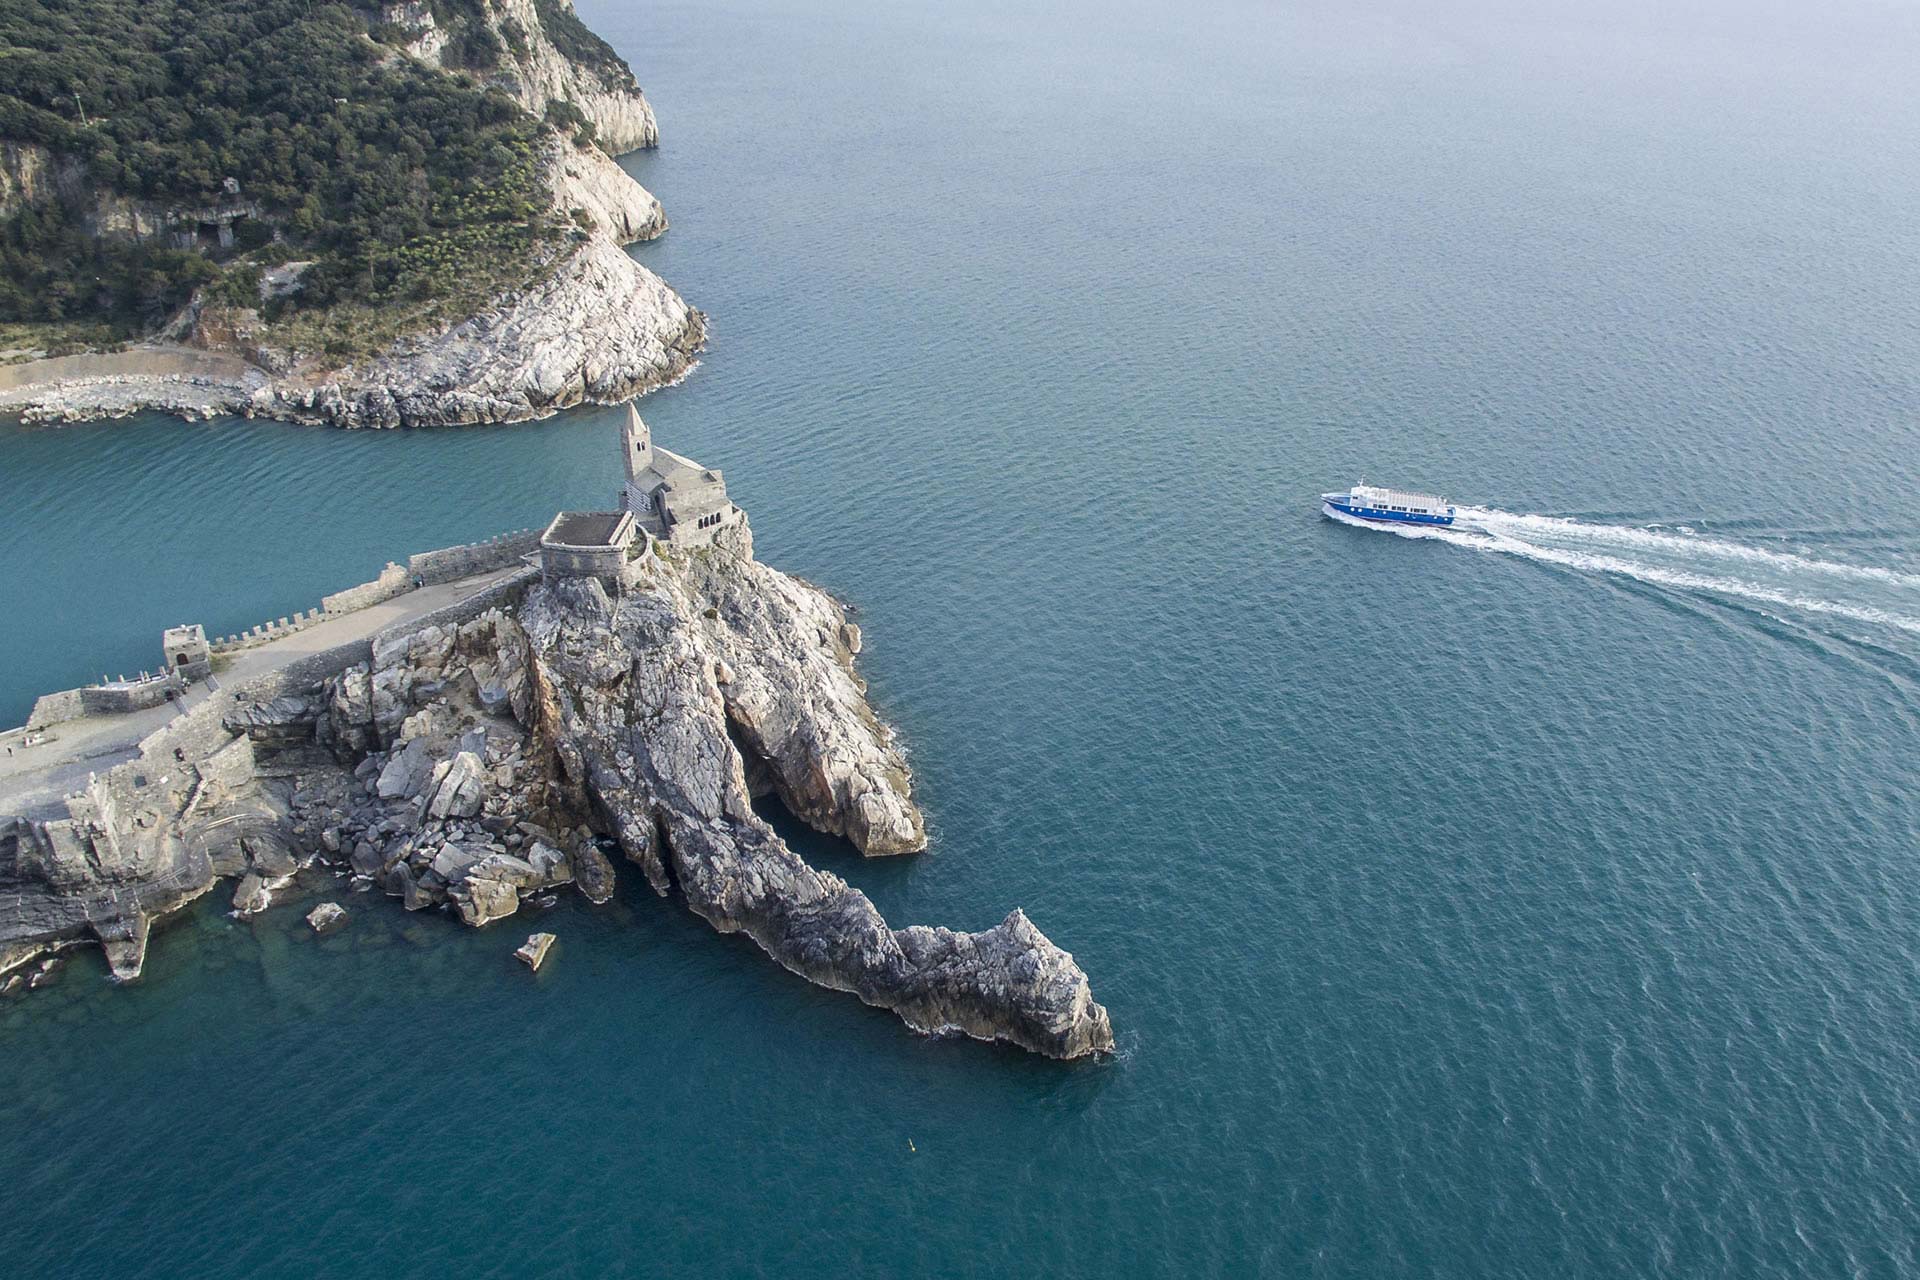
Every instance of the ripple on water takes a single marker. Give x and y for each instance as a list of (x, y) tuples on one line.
[(1461, 912)]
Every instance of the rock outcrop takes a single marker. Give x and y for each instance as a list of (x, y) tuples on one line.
[(473, 765), (586, 180), (593, 80), (590, 324), (533, 952), (31, 174), (596, 328), (532, 69), (601, 328)]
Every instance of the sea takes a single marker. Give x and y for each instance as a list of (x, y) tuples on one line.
[(1539, 897)]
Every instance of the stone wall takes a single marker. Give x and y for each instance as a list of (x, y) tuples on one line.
[(428, 567), (132, 695), (449, 563), (271, 630), (596, 562), (393, 580), (53, 708), (198, 733), (112, 699), (465, 610), (301, 676)]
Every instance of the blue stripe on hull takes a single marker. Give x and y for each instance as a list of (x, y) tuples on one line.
[(1388, 517)]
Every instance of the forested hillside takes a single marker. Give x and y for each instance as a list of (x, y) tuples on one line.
[(398, 180)]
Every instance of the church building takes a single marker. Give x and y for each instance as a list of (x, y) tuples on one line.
[(675, 499)]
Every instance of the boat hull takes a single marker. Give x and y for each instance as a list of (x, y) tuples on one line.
[(1328, 506)]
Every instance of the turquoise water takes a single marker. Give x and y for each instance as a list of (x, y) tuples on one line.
[(1536, 899)]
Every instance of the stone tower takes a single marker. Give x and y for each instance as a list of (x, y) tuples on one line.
[(188, 654), (636, 444)]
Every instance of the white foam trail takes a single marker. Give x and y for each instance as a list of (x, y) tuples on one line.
[(1486, 530), (1704, 582), (1690, 545)]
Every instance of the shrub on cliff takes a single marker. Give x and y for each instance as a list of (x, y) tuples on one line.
[(398, 180)]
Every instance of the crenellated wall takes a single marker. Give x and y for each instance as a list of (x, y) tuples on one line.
[(425, 568), (428, 568), (273, 630)]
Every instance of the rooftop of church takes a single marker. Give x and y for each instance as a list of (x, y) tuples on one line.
[(675, 469)]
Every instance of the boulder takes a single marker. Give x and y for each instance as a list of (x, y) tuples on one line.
[(406, 772), (461, 788), (327, 917), (366, 859), (272, 859), (397, 879), (508, 869), (453, 863), (534, 950), (417, 893), (484, 901), (592, 872), (251, 895), (549, 864)]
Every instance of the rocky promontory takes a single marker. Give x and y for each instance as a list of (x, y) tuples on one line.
[(541, 736), (587, 324)]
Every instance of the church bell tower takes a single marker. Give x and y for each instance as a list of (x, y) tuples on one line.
[(636, 444)]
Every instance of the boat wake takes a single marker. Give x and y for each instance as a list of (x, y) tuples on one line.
[(1675, 557)]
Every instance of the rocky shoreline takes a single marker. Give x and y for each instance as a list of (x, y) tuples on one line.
[(600, 330), (522, 743), (590, 326)]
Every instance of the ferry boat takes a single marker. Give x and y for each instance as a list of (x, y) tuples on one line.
[(1388, 506)]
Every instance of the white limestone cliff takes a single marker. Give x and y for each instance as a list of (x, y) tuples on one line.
[(466, 765), (601, 329), (587, 179), (534, 71), (606, 94), (591, 325)]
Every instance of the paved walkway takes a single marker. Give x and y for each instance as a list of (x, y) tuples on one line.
[(149, 360), (34, 780)]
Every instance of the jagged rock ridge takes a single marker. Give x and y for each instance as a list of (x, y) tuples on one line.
[(467, 766)]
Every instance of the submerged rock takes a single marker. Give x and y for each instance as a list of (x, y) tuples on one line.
[(327, 917)]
